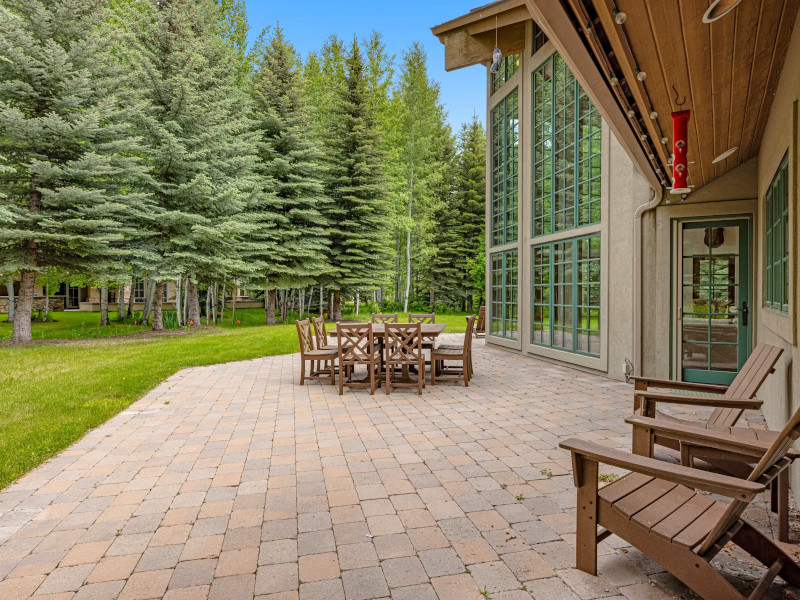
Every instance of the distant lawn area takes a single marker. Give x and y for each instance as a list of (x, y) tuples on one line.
[(51, 393)]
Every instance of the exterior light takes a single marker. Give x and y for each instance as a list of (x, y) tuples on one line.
[(613, 81), (620, 17), (725, 154), (497, 58), (631, 114), (653, 115), (643, 136), (664, 140), (641, 75)]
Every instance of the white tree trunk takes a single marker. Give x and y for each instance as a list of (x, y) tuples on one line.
[(103, 305), (186, 299), (358, 301), (321, 302), (302, 303), (178, 311), (214, 302), (208, 303), (222, 306), (130, 297), (11, 300), (408, 242)]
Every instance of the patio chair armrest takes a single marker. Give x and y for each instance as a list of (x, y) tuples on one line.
[(719, 439), (680, 385), (725, 485), (713, 401)]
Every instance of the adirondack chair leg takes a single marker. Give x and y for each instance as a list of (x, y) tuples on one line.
[(342, 370), (465, 370), (302, 372), (767, 552), (586, 546), (642, 443), (388, 380), (332, 369)]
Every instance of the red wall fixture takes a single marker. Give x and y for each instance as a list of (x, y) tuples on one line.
[(680, 163)]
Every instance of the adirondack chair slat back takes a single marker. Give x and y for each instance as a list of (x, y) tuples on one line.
[(306, 336), (385, 317), (422, 318), (776, 452), (404, 342), (319, 331), (355, 342), (746, 383)]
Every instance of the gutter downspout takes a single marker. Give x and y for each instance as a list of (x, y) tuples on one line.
[(638, 278)]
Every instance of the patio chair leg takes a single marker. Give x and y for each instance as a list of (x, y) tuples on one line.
[(421, 378), (782, 484), (465, 370), (302, 372), (388, 381), (433, 372), (332, 371), (342, 369)]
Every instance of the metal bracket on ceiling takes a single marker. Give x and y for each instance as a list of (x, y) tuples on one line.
[(677, 95)]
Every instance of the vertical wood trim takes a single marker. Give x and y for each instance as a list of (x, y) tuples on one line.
[(586, 539)]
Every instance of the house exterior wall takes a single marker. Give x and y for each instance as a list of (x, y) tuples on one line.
[(623, 189)]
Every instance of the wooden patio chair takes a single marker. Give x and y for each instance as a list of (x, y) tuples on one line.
[(730, 402), (458, 347), (462, 354), (385, 317), (421, 318), (313, 355), (356, 346), (657, 508), (734, 449), (404, 350), (480, 326)]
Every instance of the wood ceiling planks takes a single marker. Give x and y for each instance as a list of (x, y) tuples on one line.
[(728, 70)]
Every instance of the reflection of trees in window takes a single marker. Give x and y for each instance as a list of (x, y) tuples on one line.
[(503, 315), (505, 155)]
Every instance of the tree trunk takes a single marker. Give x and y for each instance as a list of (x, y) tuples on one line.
[(208, 303), (337, 306), (158, 304), (47, 301), (233, 305), (302, 303), (270, 308), (358, 302), (186, 299), (24, 308), (330, 305), (193, 312), (321, 302), (11, 302), (148, 300), (396, 267), (470, 307), (121, 301), (178, 311), (222, 306), (408, 270), (104, 322), (214, 302), (130, 297)]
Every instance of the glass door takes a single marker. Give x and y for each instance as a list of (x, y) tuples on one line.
[(73, 297), (714, 302)]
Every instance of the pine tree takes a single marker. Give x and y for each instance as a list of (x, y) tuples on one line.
[(355, 184), (295, 253), (471, 186), (199, 144), (64, 134)]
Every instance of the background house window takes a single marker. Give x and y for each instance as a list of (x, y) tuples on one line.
[(566, 151), (566, 295), (776, 277), (508, 66), (138, 291), (505, 166), (503, 310)]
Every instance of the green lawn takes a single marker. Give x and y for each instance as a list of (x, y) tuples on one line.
[(51, 393)]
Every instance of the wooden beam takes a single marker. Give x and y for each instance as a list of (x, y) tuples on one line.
[(474, 16), (554, 21), (463, 50), (516, 15)]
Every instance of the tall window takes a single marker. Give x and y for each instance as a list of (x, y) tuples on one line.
[(505, 151), (566, 295), (138, 291), (508, 66), (776, 277), (539, 38), (503, 313), (566, 151)]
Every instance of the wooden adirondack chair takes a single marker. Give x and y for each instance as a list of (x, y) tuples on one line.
[(313, 355), (480, 325), (357, 347), (404, 349), (730, 402), (657, 508)]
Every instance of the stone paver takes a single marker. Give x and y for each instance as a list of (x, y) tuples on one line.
[(232, 481)]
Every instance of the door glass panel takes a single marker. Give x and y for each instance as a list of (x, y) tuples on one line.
[(711, 329)]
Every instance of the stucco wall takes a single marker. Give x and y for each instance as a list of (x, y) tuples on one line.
[(781, 392)]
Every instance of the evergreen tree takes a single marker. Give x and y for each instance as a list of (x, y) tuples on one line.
[(324, 77), (292, 166), (471, 193), (355, 184), (64, 134), (199, 144)]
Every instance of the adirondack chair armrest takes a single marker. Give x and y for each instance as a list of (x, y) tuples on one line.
[(649, 382), (714, 401), (700, 436), (725, 485)]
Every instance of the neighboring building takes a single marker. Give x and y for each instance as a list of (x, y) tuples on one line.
[(591, 261)]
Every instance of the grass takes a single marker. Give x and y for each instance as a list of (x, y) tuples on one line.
[(52, 393)]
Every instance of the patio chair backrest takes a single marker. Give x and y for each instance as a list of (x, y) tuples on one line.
[(481, 324), (356, 344), (306, 336), (468, 334), (422, 318), (746, 383), (403, 343), (764, 472), (319, 331), (385, 317)]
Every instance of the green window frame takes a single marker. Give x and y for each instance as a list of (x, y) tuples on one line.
[(567, 131), (508, 66), (776, 238), (565, 282), (505, 170), (503, 310)]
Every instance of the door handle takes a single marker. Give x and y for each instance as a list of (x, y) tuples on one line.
[(745, 313)]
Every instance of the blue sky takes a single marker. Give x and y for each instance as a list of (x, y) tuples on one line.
[(308, 24)]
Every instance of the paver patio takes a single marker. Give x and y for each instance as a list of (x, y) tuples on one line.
[(232, 481)]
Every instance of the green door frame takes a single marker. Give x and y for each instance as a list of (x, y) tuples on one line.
[(744, 331)]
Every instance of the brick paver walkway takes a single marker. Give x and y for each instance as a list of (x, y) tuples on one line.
[(232, 481)]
